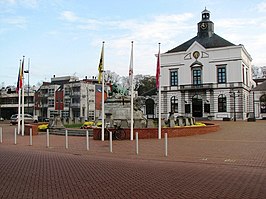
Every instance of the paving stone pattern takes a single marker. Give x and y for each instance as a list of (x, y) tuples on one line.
[(230, 163)]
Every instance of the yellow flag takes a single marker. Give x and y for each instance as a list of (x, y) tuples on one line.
[(101, 64)]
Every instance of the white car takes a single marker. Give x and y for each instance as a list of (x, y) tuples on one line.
[(27, 119)]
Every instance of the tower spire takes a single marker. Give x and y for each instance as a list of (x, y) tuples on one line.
[(205, 26)]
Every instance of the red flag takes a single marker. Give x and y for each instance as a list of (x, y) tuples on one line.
[(158, 70), (21, 74)]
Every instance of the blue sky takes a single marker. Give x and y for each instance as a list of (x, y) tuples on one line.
[(64, 37)]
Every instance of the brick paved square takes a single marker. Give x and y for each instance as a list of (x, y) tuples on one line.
[(229, 163)]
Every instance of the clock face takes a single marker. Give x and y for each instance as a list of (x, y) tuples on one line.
[(196, 54), (203, 26)]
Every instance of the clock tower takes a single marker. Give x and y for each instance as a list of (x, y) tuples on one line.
[(205, 26)]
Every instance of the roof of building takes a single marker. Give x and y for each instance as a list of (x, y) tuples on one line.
[(150, 92), (215, 41), (260, 87), (259, 80)]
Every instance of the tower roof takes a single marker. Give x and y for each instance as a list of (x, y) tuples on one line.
[(206, 36)]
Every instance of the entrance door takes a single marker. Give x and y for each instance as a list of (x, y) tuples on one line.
[(197, 106)]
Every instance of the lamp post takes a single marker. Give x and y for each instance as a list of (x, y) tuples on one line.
[(253, 103), (88, 101), (233, 94), (28, 92)]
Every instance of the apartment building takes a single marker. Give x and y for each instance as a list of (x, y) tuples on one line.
[(73, 99), (9, 101)]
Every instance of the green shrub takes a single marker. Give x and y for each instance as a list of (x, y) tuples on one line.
[(73, 125)]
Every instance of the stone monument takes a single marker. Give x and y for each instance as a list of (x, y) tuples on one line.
[(119, 108), (56, 123)]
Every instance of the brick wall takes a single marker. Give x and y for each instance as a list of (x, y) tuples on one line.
[(147, 133)]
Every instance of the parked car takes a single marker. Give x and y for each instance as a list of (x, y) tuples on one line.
[(27, 119), (42, 119), (2, 119)]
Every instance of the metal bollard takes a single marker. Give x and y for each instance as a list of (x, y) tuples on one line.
[(87, 140), (165, 145), (111, 142), (66, 139), (15, 138), (137, 143), (30, 136), (47, 139), (1, 135)]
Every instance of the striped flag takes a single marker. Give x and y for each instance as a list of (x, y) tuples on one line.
[(20, 76), (158, 71), (101, 65), (131, 66)]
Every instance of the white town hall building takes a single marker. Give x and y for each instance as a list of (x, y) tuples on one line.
[(207, 77)]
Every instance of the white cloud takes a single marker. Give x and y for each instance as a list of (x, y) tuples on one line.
[(69, 16), (26, 3), (17, 21), (261, 7), (8, 1)]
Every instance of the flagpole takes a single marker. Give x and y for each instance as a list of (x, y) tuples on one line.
[(23, 100), (19, 97), (160, 103), (102, 57), (132, 94), (103, 106)]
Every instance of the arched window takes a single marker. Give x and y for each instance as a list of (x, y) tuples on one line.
[(149, 106), (221, 103), (263, 103), (174, 104)]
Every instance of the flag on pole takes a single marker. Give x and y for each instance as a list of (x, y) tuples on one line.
[(101, 64), (158, 71), (101, 79), (22, 98), (20, 76), (18, 82), (158, 86), (132, 93), (131, 67)]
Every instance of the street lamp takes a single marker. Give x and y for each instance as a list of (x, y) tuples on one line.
[(28, 92), (233, 94), (88, 101)]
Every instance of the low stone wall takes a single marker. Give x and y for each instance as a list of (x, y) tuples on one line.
[(34, 128), (147, 133)]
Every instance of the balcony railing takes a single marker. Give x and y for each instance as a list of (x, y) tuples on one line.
[(204, 86)]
